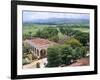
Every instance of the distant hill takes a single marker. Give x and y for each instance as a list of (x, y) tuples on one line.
[(60, 21)]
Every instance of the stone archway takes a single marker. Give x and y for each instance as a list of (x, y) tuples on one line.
[(42, 53), (37, 52)]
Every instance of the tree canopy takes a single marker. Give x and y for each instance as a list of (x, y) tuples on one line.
[(53, 57), (73, 42), (64, 54), (50, 33), (82, 37)]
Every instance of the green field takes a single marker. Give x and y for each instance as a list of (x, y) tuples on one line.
[(33, 29), (81, 29)]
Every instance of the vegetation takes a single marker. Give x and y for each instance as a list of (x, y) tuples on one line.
[(53, 57), (36, 29), (75, 45), (82, 37), (47, 32), (27, 54), (54, 38), (64, 55), (73, 42), (26, 48)]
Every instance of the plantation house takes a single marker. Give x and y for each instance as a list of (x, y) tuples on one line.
[(39, 46)]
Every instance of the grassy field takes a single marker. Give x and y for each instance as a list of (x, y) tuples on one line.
[(34, 28), (81, 29)]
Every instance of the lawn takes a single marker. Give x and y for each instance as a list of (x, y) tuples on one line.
[(32, 28), (81, 29)]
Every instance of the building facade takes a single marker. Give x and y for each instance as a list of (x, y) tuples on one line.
[(39, 46)]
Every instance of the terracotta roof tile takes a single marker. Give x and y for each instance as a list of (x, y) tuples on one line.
[(40, 42)]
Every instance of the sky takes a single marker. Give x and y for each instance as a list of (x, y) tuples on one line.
[(32, 16)]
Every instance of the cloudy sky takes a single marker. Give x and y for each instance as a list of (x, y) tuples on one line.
[(31, 15)]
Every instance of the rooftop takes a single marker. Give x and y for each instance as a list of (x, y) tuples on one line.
[(40, 42), (81, 62)]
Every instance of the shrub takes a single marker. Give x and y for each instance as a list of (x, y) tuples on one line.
[(54, 38), (25, 61)]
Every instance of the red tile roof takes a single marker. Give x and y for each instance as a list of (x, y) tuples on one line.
[(40, 42)]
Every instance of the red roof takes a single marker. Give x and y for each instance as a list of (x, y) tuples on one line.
[(39, 41), (81, 62), (42, 42)]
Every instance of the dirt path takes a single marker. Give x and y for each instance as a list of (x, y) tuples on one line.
[(33, 64)]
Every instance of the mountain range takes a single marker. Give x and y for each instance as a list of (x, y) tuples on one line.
[(59, 21)]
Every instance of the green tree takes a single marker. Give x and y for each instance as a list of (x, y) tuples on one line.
[(26, 48), (54, 38), (79, 52), (26, 36), (67, 31), (83, 51), (73, 42), (53, 57), (38, 33), (82, 37), (59, 55), (66, 54), (46, 32), (62, 30)]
